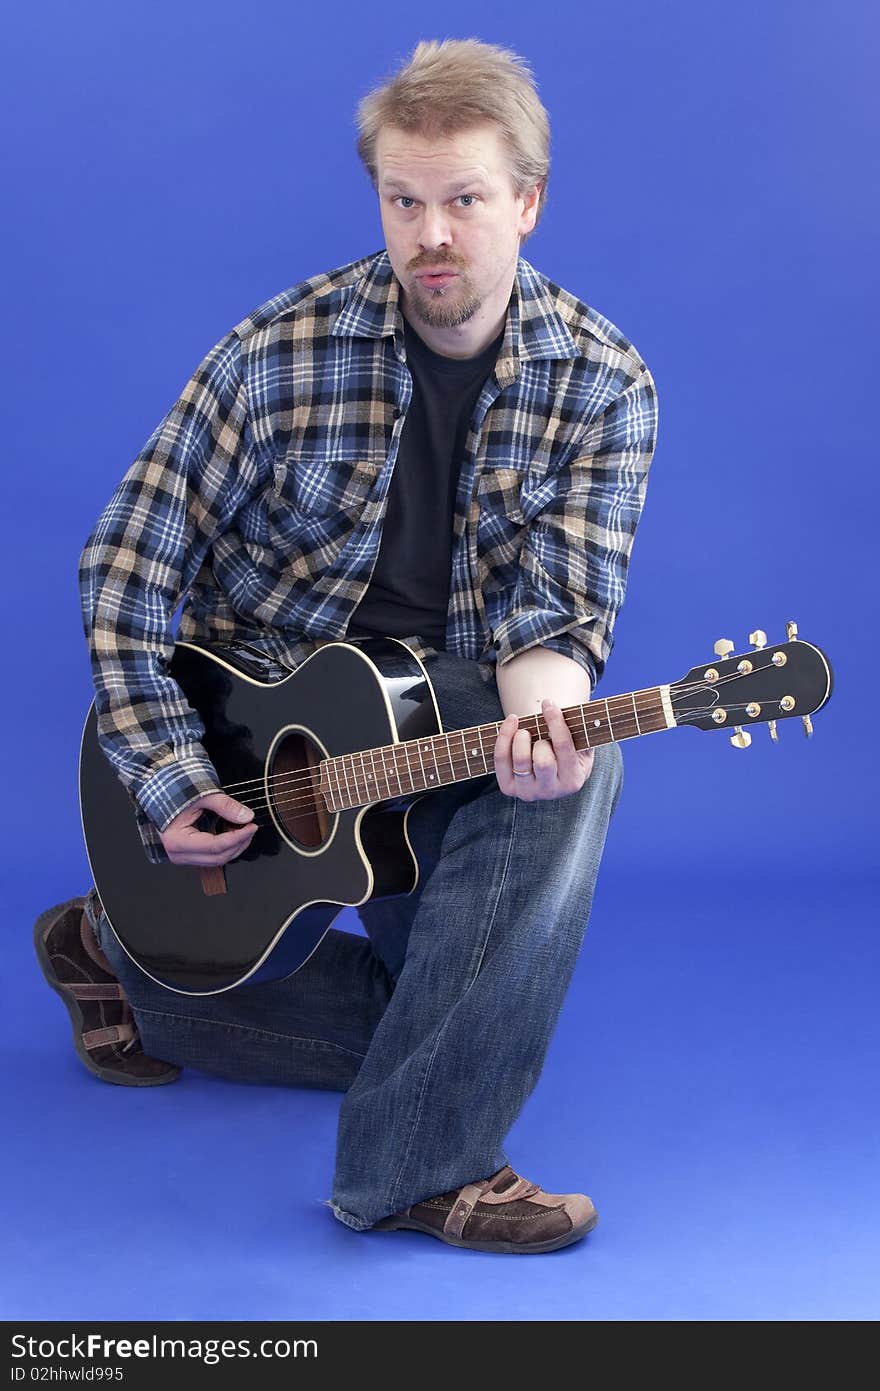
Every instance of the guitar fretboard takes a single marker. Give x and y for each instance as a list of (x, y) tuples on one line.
[(415, 765)]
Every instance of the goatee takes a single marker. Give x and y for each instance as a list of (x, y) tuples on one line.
[(434, 309)]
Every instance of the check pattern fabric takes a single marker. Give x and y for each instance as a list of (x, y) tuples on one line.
[(259, 500)]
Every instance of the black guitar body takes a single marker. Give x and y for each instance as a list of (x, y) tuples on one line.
[(304, 863)]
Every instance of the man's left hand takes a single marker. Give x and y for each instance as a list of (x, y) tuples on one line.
[(540, 771)]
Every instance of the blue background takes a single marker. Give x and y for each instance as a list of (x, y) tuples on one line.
[(713, 1082)]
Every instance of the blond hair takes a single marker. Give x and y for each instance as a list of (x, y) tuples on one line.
[(451, 85)]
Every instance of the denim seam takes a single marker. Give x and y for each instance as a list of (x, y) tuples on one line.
[(395, 1188), (247, 1029)]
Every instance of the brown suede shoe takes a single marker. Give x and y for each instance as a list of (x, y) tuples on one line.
[(501, 1213), (104, 1032)]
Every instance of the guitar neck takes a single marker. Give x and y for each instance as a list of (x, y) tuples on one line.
[(416, 765)]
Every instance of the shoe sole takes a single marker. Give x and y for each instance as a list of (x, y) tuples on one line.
[(106, 1074), (395, 1224)]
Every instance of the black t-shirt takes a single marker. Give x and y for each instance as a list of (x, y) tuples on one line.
[(408, 593)]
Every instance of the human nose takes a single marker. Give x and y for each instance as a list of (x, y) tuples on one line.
[(434, 229)]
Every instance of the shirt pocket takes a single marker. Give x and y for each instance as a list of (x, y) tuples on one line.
[(500, 528), (326, 488), (500, 498), (509, 499)]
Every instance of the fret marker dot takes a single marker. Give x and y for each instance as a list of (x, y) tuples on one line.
[(597, 723), (473, 753)]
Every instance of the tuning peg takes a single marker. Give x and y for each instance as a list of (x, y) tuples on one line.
[(791, 630), (808, 725), (771, 725), (758, 639), (723, 648), (741, 738)]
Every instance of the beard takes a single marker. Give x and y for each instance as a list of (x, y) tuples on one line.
[(446, 308)]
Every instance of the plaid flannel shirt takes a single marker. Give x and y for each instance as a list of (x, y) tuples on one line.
[(259, 500)]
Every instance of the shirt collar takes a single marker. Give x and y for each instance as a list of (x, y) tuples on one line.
[(534, 329)]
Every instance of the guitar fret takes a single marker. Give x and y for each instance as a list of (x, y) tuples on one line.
[(384, 764), (584, 723), (328, 795), (652, 717), (346, 792), (395, 753), (385, 772), (608, 718), (429, 749), (483, 753), (339, 792), (422, 766), (369, 777), (464, 752), (376, 785), (636, 713), (361, 786), (623, 719), (412, 783), (392, 752), (655, 714), (352, 774), (452, 769), (354, 778)]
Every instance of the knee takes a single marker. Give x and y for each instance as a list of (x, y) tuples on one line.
[(567, 835), (582, 819), (601, 791), (614, 764)]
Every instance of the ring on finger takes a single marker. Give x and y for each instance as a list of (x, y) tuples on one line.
[(526, 774)]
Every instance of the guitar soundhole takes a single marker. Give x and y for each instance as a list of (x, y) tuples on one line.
[(293, 780)]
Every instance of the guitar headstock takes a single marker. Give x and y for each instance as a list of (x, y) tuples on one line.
[(771, 682)]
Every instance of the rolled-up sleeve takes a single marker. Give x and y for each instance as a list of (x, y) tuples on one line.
[(184, 488), (576, 550)]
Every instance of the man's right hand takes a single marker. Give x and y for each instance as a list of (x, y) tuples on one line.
[(185, 845)]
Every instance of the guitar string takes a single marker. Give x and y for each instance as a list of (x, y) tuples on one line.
[(297, 802), (290, 781), (308, 803), (470, 730), (281, 780), (286, 781)]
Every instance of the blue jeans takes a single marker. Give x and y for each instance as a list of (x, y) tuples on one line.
[(437, 1023)]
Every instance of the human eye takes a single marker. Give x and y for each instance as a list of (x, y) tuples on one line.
[(472, 196), (404, 198)]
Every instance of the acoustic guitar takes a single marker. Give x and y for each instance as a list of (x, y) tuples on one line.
[(333, 756)]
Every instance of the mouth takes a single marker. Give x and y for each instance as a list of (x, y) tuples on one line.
[(436, 280)]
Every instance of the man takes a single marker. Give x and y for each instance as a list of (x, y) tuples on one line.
[(433, 443)]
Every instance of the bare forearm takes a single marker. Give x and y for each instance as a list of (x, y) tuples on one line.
[(540, 674)]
